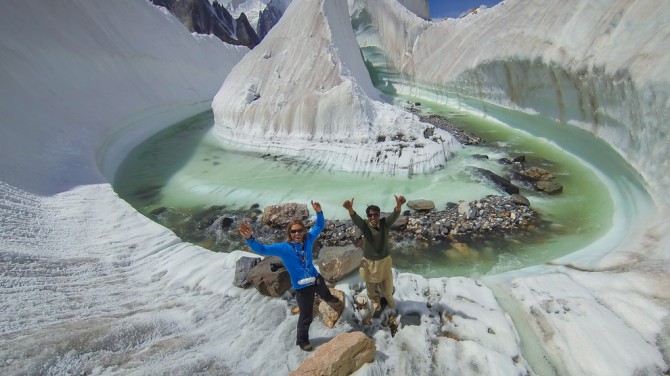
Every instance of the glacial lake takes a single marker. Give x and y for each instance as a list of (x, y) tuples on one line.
[(184, 168)]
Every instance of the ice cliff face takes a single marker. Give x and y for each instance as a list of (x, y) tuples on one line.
[(64, 98), (598, 65), (305, 92)]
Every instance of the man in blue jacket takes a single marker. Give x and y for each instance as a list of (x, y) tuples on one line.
[(296, 254)]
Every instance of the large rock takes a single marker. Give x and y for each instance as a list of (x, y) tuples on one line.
[(551, 187), (281, 215), (331, 314), (497, 180), (519, 199), (336, 262), (421, 204), (536, 173), (341, 356), (242, 269), (268, 282)]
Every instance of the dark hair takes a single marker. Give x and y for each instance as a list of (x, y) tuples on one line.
[(290, 224), (373, 208)]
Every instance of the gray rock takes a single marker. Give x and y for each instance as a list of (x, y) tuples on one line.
[(548, 186), (421, 204), (497, 180), (520, 200), (242, 269), (337, 262), (268, 282)]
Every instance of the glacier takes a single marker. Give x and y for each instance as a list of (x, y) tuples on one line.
[(91, 286), (324, 109)]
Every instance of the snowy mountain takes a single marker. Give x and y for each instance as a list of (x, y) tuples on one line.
[(262, 14), (325, 109), (203, 17)]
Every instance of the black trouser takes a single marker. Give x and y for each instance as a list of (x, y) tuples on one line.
[(305, 298)]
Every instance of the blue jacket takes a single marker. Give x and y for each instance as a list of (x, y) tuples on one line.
[(297, 257)]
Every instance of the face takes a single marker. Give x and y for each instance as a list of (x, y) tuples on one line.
[(373, 217), (297, 233)]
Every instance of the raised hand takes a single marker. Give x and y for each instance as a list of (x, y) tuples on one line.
[(349, 204), (316, 206), (399, 201), (245, 230)]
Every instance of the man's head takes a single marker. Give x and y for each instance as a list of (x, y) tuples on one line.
[(295, 231), (373, 212)]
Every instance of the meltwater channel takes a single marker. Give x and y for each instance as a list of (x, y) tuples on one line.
[(186, 169)]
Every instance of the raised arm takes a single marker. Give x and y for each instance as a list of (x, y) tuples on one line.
[(320, 222), (349, 205), (255, 245), (399, 201)]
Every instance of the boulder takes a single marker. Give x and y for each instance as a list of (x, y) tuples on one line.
[(269, 282), (336, 262), (520, 200), (281, 215), (331, 314), (497, 180), (536, 173), (341, 356), (551, 187), (242, 269), (421, 204)]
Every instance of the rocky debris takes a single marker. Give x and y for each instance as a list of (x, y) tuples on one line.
[(464, 137), (337, 262), (470, 220), (490, 217), (267, 281), (341, 356), (281, 215), (242, 269)]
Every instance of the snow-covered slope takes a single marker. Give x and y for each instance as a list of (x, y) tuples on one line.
[(118, 69), (304, 91)]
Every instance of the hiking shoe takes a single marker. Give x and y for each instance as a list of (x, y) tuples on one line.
[(306, 347)]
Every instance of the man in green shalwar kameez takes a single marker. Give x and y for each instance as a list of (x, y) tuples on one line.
[(376, 265)]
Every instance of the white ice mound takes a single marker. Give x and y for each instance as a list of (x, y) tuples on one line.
[(305, 92)]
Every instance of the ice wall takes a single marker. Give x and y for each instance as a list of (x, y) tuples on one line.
[(63, 97), (304, 91), (597, 65), (82, 82)]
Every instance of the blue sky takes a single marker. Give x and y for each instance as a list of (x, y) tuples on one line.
[(454, 8)]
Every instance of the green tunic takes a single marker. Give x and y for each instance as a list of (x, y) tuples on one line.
[(376, 244)]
